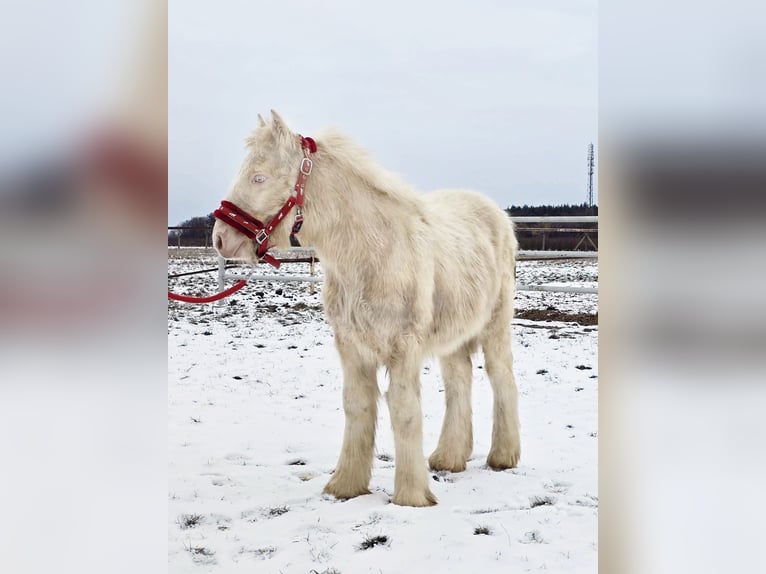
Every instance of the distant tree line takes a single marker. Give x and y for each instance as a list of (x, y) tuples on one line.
[(551, 210), (197, 235)]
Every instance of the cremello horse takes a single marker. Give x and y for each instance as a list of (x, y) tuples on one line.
[(407, 276)]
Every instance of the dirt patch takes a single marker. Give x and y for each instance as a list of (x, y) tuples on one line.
[(301, 306), (555, 315)]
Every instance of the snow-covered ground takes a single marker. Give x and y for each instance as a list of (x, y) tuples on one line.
[(256, 422)]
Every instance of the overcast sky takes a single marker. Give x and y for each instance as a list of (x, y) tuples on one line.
[(496, 96)]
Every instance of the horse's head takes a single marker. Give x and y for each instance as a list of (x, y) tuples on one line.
[(264, 183)]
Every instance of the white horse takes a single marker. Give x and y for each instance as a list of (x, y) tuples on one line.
[(407, 276)]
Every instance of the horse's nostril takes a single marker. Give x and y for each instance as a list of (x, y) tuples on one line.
[(218, 242)]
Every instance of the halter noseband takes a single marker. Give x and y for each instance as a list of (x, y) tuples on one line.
[(255, 229)]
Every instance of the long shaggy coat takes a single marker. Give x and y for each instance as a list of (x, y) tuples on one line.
[(407, 276)]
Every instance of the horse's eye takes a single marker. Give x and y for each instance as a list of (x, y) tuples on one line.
[(259, 178)]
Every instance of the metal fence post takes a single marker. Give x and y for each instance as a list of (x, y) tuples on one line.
[(311, 286), (221, 273)]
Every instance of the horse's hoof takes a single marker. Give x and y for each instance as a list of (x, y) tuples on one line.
[(502, 460), (341, 489), (418, 499), (441, 461)]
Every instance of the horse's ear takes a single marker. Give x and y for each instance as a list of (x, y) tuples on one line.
[(279, 125), (261, 121)]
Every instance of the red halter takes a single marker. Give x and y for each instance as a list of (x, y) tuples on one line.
[(255, 229)]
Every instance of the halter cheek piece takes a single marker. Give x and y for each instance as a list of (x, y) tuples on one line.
[(260, 232)]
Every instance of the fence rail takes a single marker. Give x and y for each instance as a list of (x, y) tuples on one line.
[(530, 237), (526, 255)]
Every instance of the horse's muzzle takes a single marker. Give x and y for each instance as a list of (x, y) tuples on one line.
[(231, 244)]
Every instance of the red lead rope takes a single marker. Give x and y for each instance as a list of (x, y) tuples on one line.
[(254, 229), (187, 299)]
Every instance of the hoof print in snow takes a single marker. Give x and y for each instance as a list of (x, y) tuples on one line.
[(373, 541), (532, 537), (558, 487), (373, 519), (583, 368), (237, 377), (486, 510), (536, 501), (385, 457), (442, 476), (296, 462), (479, 530), (186, 521), (578, 389), (278, 511), (261, 513), (222, 522), (259, 553), (238, 458), (202, 555), (541, 372), (589, 501)]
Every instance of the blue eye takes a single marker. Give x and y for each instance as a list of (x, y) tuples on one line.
[(259, 178)]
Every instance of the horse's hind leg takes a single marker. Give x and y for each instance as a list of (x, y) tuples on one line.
[(496, 343), (456, 439)]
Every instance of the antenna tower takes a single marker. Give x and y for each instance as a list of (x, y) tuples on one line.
[(591, 164)]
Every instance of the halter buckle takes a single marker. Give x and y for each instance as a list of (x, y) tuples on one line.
[(261, 237), (298, 223), (306, 166)]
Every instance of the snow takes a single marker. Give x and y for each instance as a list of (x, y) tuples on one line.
[(256, 422)]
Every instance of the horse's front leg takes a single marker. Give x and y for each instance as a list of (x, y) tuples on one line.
[(411, 478), (360, 403)]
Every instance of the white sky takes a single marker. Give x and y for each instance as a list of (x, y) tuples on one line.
[(495, 96)]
